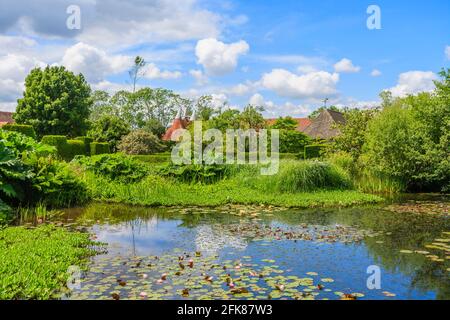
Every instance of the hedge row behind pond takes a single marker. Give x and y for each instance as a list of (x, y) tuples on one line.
[(68, 149), (21, 128)]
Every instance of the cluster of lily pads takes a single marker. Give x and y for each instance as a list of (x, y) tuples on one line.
[(437, 251), (318, 233), (422, 207), (181, 275)]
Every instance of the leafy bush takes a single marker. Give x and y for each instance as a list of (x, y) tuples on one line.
[(292, 141), (22, 128), (140, 142), (99, 148), (314, 151), (154, 158), (29, 174), (114, 167), (109, 128), (59, 142)]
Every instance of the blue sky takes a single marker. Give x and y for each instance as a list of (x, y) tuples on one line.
[(285, 55)]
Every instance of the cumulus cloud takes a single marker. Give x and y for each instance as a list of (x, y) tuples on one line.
[(200, 78), (447, 52), (95, 64), (114, 22), (219, 58), (153, 72), (346, 66), (413, 82), (16, 67), (311, 85), (272, 109), (375, 73)]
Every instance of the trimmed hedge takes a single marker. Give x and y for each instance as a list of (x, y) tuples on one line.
[(99, 148), (67, 149), (87, 143), (314, 151), (21, 128)]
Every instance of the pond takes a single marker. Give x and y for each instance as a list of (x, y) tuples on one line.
[(238, 252)]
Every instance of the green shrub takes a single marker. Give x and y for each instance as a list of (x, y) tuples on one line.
[(28, 174), (292, 141), (114, 167), (140, 142), (21, 128), (99, 148), (67, 149), (154, 158), (87, 144), (314, 151), (194, 173)]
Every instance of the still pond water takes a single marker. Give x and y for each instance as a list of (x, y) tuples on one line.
[(239, 252)]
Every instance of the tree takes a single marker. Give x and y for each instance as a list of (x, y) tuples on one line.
[(137, 71), (251, 118), (287, 123), (353, 132), (410, 140), (55, 101), (155, 126), (228, 119), (109, 128), (205, 109), (101, 105)]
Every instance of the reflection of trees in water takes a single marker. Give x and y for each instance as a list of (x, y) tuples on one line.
[(212, 238)]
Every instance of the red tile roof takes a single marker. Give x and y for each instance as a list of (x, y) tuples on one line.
[(302, 123), (177, 124), (5, 118)]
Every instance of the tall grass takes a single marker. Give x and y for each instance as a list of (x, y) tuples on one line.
[(294, 176)]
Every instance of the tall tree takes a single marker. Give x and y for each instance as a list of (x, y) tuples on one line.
[(137, 71), (55, 101), (287, 123)]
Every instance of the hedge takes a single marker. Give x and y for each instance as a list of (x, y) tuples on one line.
[(67, 149), (21, 128), (314, 151), (99, 148), (87, 143)]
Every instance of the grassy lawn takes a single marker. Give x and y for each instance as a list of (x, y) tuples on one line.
[(34, 262), (155, 191)]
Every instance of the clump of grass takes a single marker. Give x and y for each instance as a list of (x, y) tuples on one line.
[(296, 176), (34, 262)]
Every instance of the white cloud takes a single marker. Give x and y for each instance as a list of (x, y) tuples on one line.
[(16, 67), (117, 23), (8, 106), (111, 87), (375, 73), (95, 64), (306, 69), (413, 82), (13, 44), (153, 72), (219, 58), (219, 100), (346, 66), (447, 52), (276, 110), (311, 85), (200, 78)]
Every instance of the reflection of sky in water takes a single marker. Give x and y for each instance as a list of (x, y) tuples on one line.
[(408, 276)]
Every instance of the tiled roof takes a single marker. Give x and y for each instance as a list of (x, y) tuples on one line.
[(5, 118)]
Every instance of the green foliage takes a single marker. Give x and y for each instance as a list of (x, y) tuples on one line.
[(228, 119), (251, 118), (409, 141), (292, 141), (99, 148), (55, 102), (22, 128), (87, 144), (155, 126), (67, 149), (34, 262), (353, 133), (28, 174), (287, 123), (114, 167), (140, 142), (315, 151), (109, 128), (194, 173), (154, 158)]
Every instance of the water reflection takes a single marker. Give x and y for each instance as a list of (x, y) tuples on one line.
[(136, 231)]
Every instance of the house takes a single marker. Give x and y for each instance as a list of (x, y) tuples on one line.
[(180, 122), (325, 126), (5, 118), (302, 123)]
